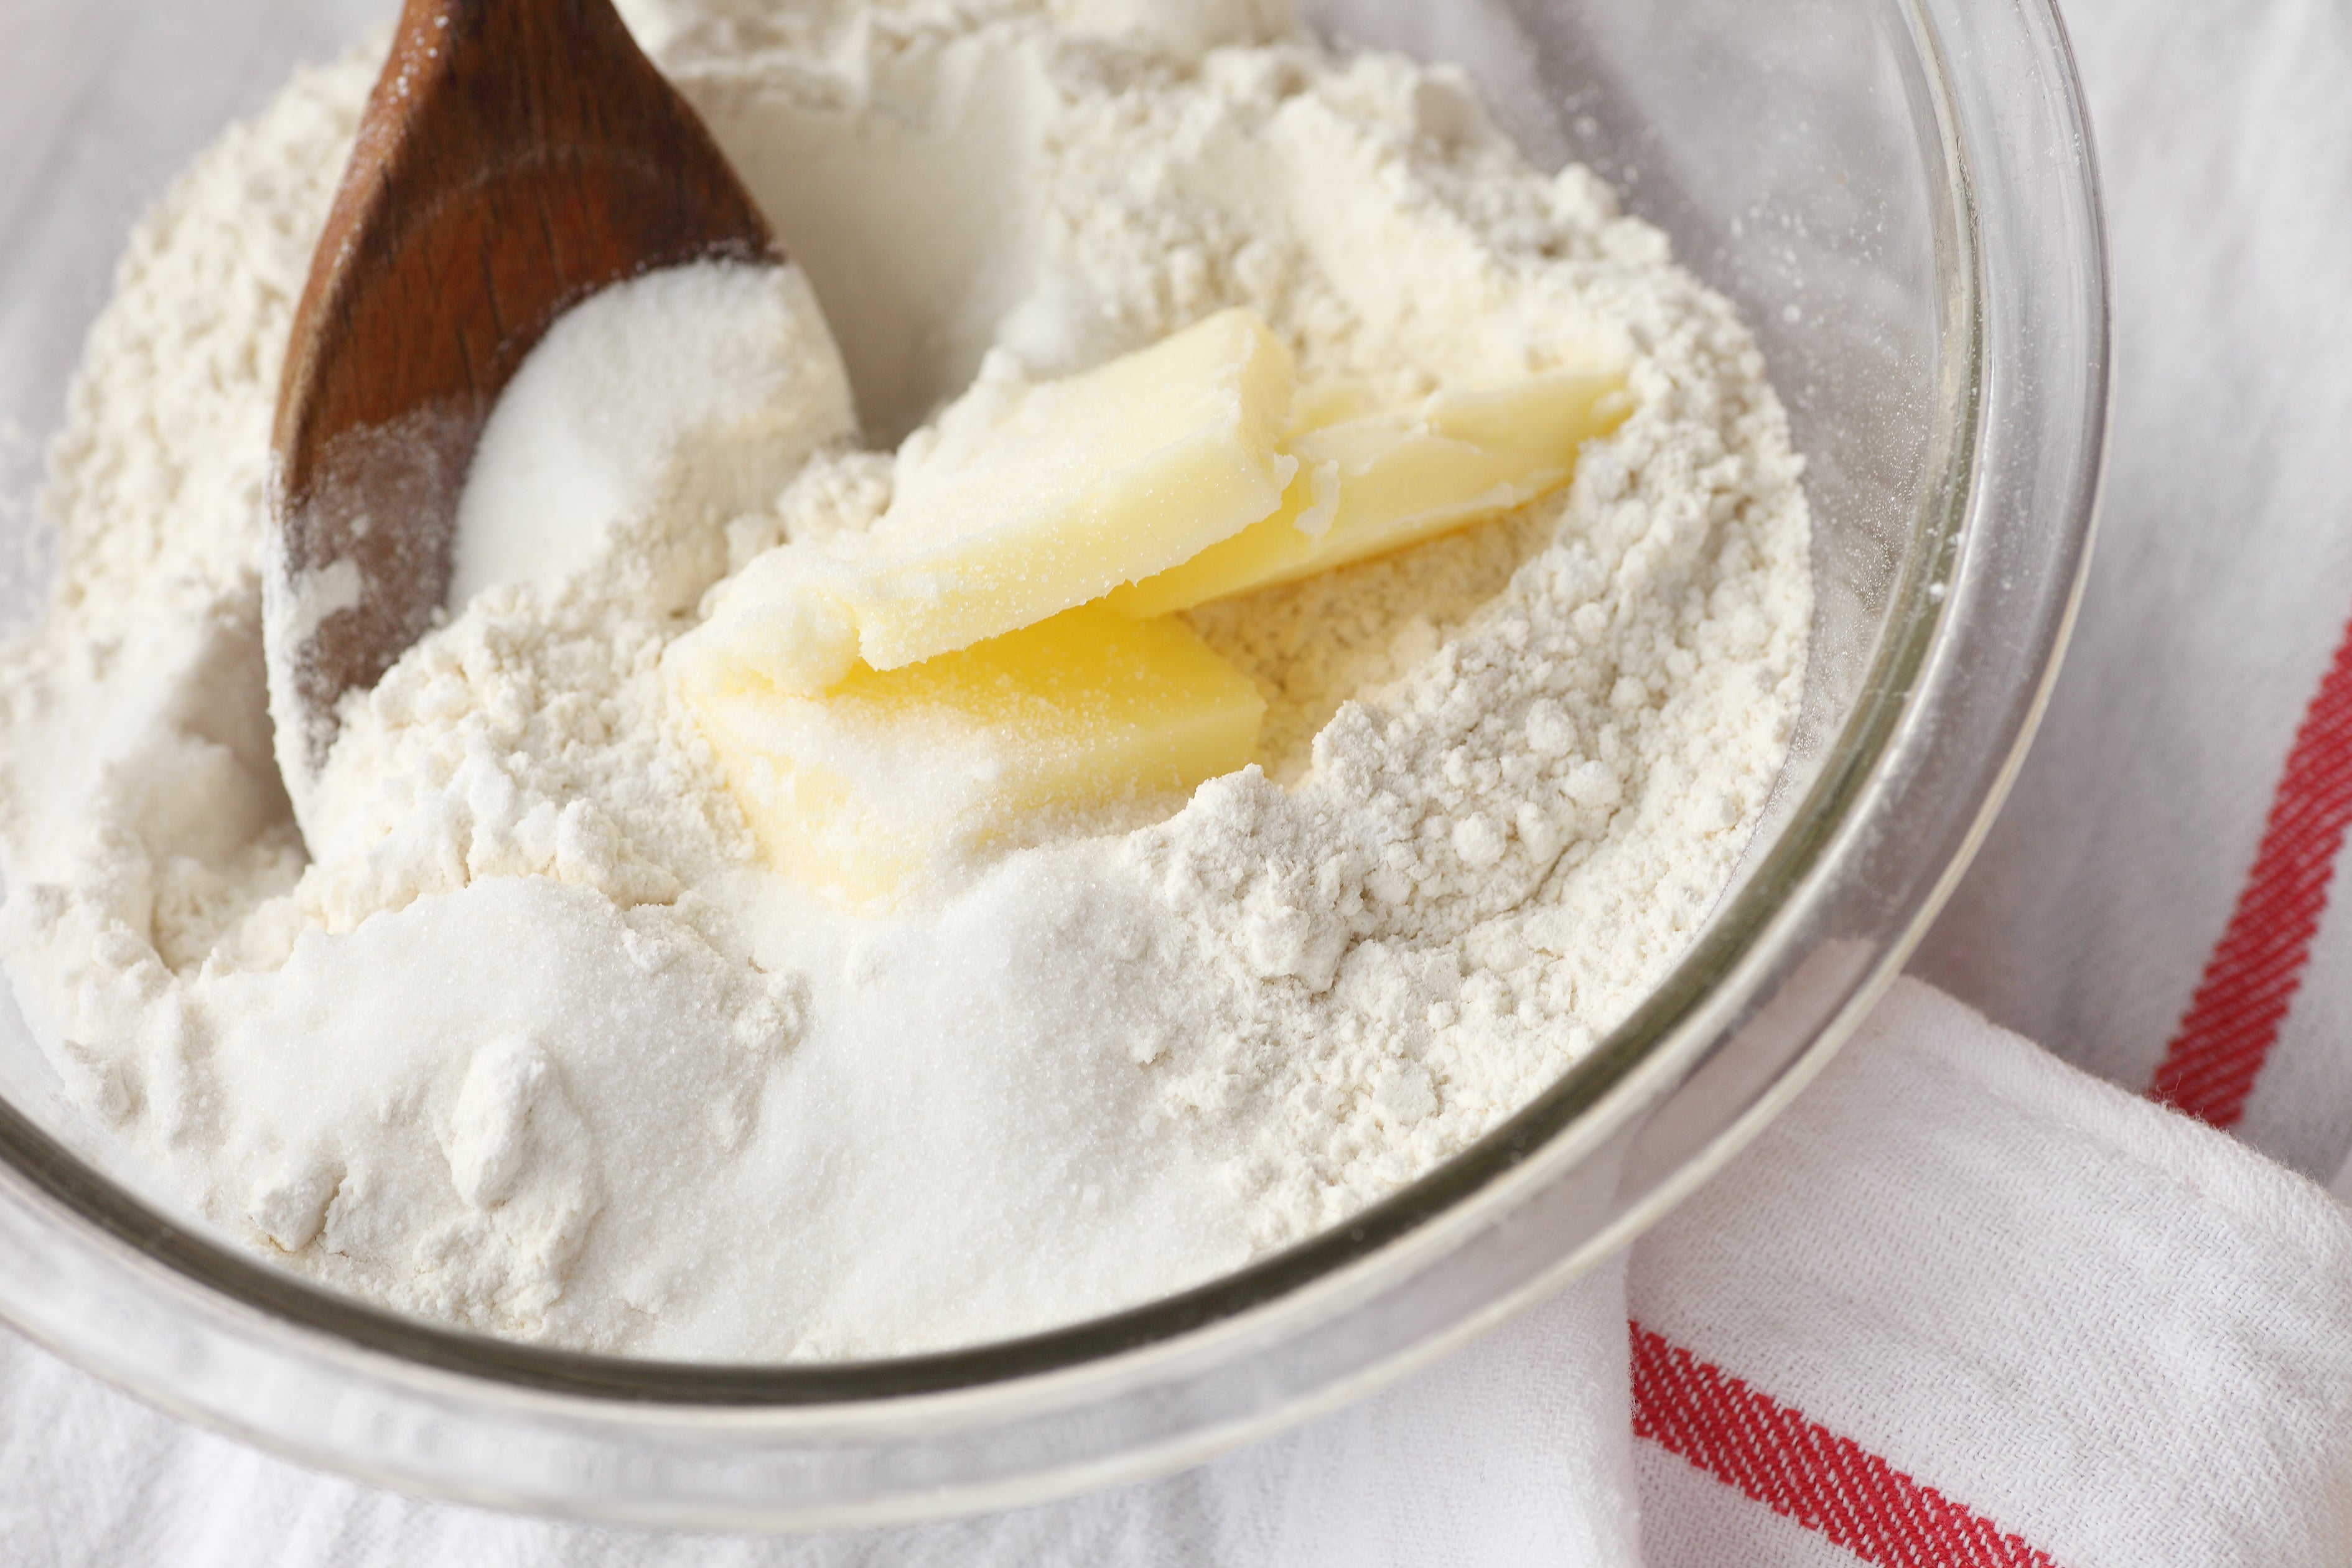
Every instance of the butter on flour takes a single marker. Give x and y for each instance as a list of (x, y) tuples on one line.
[(530, 1042)]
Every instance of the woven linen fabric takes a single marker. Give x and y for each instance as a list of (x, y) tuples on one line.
[(2153, 900), (1517, 1450), (1964, 1303)]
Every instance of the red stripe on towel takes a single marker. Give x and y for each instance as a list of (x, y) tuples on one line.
[(1806, 1472), (2211, 1067)]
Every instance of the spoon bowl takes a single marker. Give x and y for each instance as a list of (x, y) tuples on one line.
[(515, 157)]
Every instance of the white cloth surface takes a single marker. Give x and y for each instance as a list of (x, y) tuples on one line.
[(2107, 1328), (2223, 571), (2108, 1334), (89, 1477)]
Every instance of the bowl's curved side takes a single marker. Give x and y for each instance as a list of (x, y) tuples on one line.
[(1963, 641)]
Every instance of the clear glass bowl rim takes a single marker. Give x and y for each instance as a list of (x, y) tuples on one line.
[(1620, 1081)]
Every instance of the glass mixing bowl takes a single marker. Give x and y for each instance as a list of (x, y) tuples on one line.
[(1899, 194)]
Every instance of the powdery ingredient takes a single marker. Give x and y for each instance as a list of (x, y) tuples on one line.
[(529, 1041)]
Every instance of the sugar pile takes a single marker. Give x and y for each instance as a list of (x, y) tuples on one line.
[(529, 1041)]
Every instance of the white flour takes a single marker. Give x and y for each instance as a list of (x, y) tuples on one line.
[(532, 1043)]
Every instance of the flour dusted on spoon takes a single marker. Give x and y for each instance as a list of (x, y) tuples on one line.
[(531, 1040)]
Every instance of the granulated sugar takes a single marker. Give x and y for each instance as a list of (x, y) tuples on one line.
[(529, 1041)]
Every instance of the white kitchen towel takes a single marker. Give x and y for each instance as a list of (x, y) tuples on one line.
[(2155, 892), (1984, 1309), (1517, 1451)]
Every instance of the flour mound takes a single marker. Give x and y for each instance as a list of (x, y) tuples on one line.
[(526, 1039)]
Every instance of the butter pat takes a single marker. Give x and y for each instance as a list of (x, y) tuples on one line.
[(1380, 482), (857, 794), (1035, 499)]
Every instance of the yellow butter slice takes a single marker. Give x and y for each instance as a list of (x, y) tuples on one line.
[(1376, 483), (855, 794), (1032, 503)]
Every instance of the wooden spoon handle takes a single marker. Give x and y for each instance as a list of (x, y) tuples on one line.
[(516, 156)]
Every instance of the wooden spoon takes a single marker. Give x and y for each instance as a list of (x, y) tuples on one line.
[(516, 156)]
